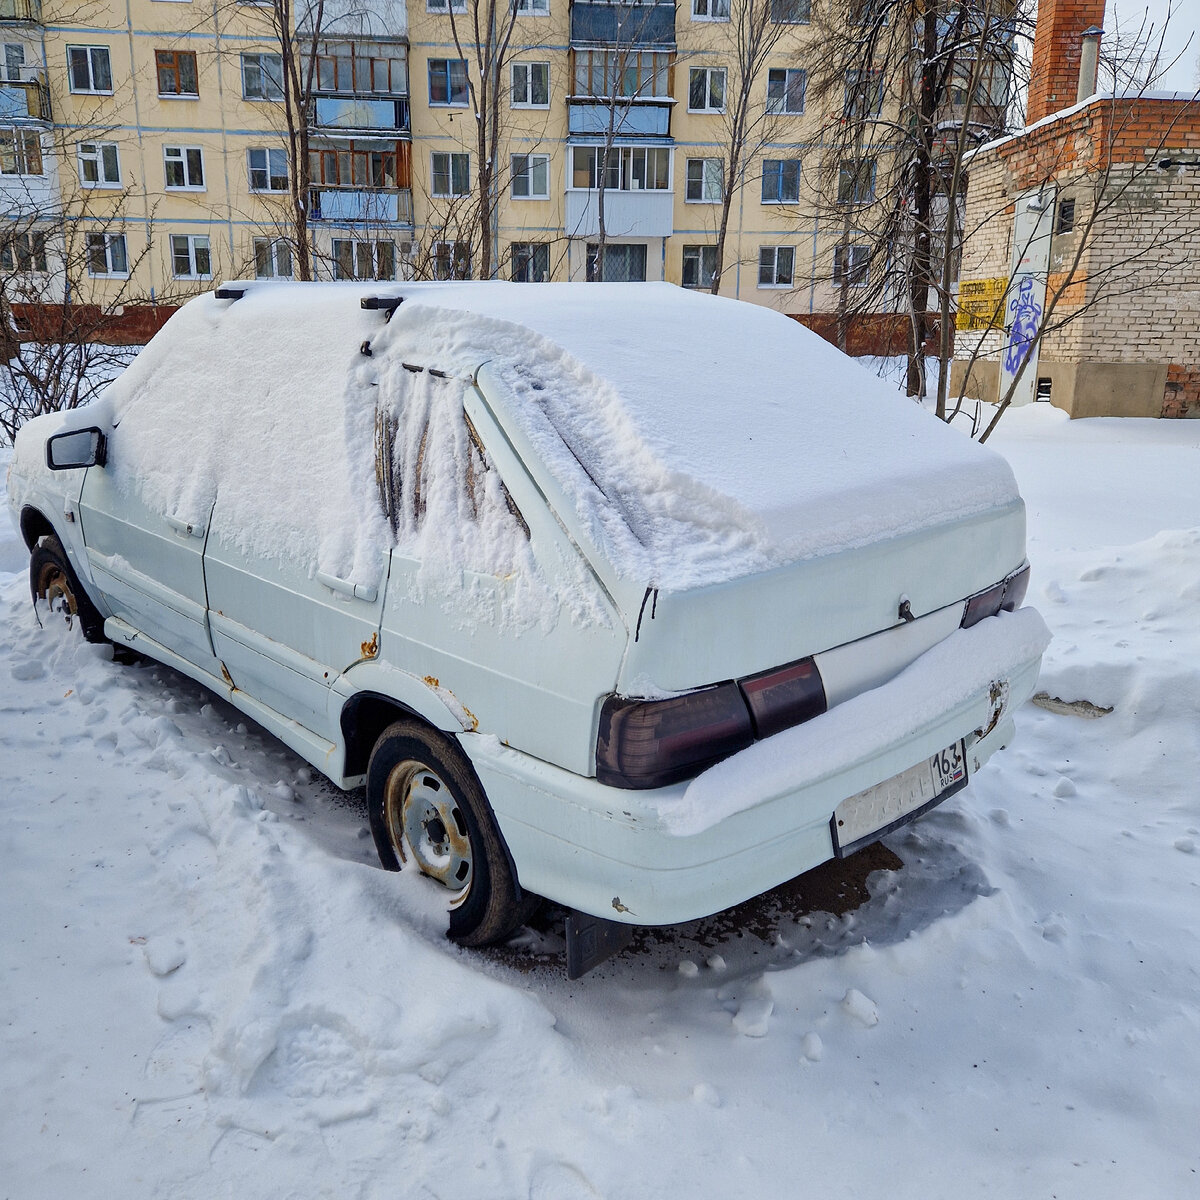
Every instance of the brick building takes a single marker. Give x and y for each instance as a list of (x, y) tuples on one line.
[(1085, 227)]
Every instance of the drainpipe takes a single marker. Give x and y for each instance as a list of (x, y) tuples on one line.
[(1089, 62)]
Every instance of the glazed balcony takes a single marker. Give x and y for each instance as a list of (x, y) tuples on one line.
[(24, 102), (649, 25), (361, 206), (362, 114), (636, 118), (29, 11)]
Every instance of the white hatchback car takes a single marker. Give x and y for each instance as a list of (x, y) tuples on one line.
[(636, 599)]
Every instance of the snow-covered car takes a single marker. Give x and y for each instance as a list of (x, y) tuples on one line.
[(635, 599)]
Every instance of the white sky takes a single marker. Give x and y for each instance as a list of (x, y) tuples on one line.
[(1179, 18)]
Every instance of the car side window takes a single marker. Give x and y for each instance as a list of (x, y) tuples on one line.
[(430, 462)]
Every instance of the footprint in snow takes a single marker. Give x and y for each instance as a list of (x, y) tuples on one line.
[(561, 1181)]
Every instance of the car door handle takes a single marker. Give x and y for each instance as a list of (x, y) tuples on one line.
[(343, 587), (187, 528)]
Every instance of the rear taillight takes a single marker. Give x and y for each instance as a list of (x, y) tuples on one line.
[(650, 743), (1008, 594), (784, 697)]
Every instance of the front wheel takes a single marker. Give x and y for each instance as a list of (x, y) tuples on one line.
[(53, 581), (428, 812)]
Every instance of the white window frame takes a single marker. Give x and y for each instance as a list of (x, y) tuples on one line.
[(791, 250), (625, 162), (858, 255), (710, 10), (274, 249), (22, 137), (267, 151), (532, 8), (96, 155), (13, 67), (196, 243), (91, 52), (780, 106), (459, 158), (374, 250), (712, 170), (258, 57), (527, 69), (185, 157), (709, 73), (527, 167), (110, 240), (446, 6), (698, 252)]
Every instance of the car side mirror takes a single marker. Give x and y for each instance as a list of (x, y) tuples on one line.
[(79, 448)]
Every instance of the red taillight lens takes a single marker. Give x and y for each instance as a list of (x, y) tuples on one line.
[(650, 743), (1008, 594), (784, 697)]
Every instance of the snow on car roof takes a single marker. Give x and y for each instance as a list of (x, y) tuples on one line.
[(698, 438)]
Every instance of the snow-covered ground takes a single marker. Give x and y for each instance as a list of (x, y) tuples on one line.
[(210, 991)]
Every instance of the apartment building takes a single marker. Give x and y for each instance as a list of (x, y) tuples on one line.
[(164, 160)]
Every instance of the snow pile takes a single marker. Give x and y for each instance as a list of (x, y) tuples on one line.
[(696, 439), (209, 990)]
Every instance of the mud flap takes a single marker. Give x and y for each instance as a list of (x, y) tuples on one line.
[(590, 940)]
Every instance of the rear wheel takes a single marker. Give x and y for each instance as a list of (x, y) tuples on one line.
[(428, 813), (53, 581)]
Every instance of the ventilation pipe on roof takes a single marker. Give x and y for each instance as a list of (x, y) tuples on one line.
[(1089, 62)]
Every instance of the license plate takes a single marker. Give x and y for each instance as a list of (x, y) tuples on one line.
[(880, 809)]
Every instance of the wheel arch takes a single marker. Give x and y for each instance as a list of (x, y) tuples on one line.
[(35, 525), (365, 716)]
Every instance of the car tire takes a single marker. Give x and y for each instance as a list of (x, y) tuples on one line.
[(428, 811), (52, 579)]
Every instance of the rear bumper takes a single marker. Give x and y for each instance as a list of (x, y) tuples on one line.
[(762, 816)]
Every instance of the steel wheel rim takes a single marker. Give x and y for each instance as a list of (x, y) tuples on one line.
[(426, 827)]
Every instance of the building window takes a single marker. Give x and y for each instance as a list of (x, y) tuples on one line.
[(452, 260), (184, 168), (1064, 221), (176, 73), (710, 10), (448, 81), (705, 180), (362, 68), (622, 264), (14, 59), (781, 181), (24, 252), (99, 164), (850, 265), (864, 95), (355, 259), (530, 262), (775, 265), (531, 176), (604, 74), (531, 85), (190, 257), (20, 152), (791, 12), (351, 166), (262, 77), (856, 181), (106, 255), (89, 69), (699, 266), (272, 258), (445, 6), (868, 12), (626, 168), (785, 90), (451, 174), (706, 89), (532, 8), (268, 169)]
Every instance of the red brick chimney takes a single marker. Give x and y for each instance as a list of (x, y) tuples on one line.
[(1057, 46)]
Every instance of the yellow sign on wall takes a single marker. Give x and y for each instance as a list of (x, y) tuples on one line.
[(981, 304)]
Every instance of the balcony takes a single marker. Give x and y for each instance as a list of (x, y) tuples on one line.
[(24, 102), (21, 10), (358, 114), (622, 25), (349, 206), (626, 213), (639, 118)]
